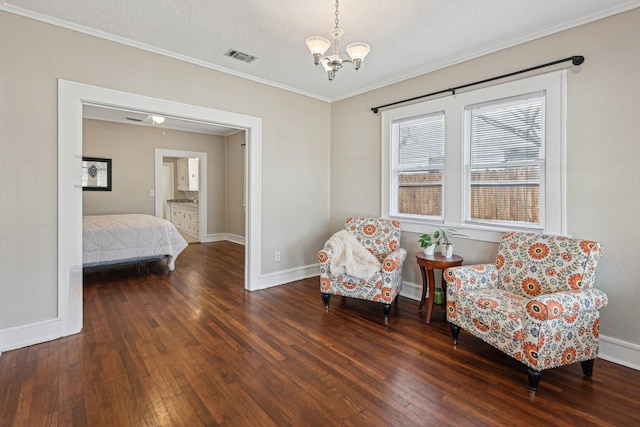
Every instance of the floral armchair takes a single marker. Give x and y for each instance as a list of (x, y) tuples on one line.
[(537, 303), (381, 237)]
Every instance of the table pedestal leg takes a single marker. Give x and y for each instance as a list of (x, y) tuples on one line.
[(423, 300), (432, 291)]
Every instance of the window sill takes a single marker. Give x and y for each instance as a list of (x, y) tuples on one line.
[(472, 231)]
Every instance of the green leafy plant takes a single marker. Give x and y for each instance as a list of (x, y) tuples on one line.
[(429, 239)]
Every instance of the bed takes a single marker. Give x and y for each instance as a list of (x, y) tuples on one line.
[(129, 238)]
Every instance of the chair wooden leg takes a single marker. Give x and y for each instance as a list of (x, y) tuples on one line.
[(587, 367), (455, 331), (385, 310), (325, 301), (534, 379)]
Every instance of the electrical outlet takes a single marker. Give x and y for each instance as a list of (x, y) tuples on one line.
[(277, 256)]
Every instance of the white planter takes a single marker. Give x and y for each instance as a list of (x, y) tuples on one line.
[(446, 249), (429, 250)]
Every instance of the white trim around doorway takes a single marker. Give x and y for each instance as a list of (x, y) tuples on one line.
[(72, 97)]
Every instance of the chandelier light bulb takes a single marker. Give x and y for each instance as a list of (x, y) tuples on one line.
[(318, 46), (358, 50)]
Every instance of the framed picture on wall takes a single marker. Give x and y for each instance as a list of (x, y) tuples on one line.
[(96, 174)]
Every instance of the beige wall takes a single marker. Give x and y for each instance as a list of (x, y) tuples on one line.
[(35, 55), (132, 150), (234, 173), (602, 151)]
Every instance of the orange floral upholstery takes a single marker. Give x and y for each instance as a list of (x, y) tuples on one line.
[(382, 238), (537, 303)]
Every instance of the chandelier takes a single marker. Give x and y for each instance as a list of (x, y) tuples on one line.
[(332, 63)]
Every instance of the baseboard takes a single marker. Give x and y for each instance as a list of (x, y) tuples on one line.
[(621, 352), (236, 239), (219, 237), (286, 276), (214, 238), (411, 291), (33, 333)]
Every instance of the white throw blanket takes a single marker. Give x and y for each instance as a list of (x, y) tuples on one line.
[(350, 257)]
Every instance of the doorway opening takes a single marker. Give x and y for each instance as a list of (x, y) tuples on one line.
[(199, 197), (72, 97)]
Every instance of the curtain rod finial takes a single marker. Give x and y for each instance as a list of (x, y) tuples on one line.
[(576, 62)]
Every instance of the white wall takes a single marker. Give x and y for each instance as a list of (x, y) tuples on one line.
[(602, 152)]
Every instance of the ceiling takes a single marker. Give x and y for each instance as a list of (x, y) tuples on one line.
[(407, 38), (144, 119)]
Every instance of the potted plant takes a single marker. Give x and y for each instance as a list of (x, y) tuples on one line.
[(446, 245), (429, 241)]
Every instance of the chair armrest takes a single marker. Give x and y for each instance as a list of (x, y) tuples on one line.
[(566, 303), (324, 256), (469, 277), (393, 261)]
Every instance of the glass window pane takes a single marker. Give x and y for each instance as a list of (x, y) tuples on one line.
[(421, 141), (510, 131), (506, 195), (420, 193)]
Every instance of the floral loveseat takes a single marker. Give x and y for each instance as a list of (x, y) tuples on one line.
[(536, 304), (381, 237)]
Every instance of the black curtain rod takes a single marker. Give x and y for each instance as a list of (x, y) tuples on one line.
[(576, 60)]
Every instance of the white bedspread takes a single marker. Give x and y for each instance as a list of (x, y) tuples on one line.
[(108, 239)]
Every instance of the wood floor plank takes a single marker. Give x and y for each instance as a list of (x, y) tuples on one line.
[(192, 347)]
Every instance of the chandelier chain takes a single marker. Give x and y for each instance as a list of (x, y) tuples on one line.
[(337, 14)]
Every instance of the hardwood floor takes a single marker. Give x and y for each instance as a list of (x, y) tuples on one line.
[(194, 348)]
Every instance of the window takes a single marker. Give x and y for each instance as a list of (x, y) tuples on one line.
[(506, 142), (487, 160), (418, 151)]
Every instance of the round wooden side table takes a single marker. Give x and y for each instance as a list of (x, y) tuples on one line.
[(429, 263)]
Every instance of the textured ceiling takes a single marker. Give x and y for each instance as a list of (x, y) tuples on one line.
[(407, 37)]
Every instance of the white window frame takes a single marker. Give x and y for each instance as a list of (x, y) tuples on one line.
[(397, 169), (457, 155), (541, 164)]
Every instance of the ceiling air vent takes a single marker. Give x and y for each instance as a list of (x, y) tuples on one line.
[(240, 56)]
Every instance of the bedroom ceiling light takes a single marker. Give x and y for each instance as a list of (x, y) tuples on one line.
[(318, 46), (157, 120)]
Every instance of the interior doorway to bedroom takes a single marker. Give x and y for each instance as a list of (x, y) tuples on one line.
[(197, 182), (72, 99)]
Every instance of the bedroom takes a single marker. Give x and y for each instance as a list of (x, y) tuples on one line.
[(331, 152), (134, 148)]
